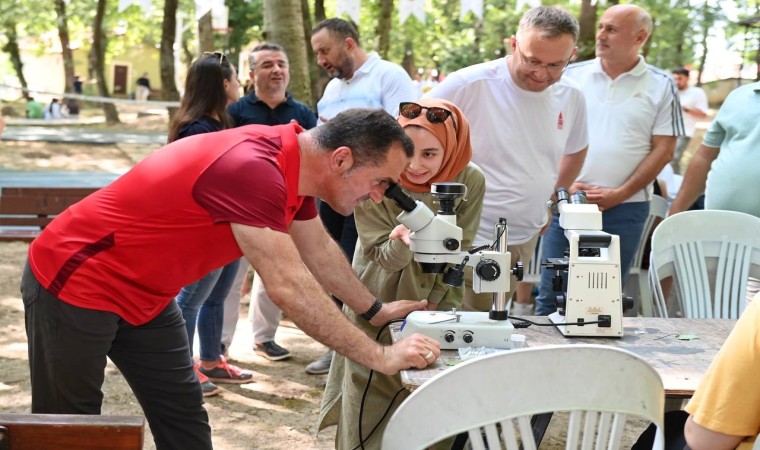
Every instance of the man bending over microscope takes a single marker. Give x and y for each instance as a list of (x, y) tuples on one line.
[(101, 278)]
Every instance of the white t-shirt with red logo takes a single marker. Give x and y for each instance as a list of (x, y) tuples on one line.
[(518, 139)]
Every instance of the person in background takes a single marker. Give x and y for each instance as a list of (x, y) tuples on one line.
[(693, 107), (53, 110), (723, 411), (635, 120), (34, 109), (726, 167), (529, 133), (359, 80), (142, 88), (384, 263), (211, 86), (268, 103)]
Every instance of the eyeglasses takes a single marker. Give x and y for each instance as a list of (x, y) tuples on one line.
[(434, 114), (218, 54), (534, 65)]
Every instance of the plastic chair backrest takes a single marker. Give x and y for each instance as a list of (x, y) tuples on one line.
[(532, 273), (658, 210), (712, 254), (503, 390)]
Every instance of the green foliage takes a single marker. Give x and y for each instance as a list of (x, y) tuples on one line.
[(246, 23)]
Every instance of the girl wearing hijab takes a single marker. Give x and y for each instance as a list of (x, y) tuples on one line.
[(385, 264)]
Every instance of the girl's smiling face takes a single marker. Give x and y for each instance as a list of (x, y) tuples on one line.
[(428, 155)]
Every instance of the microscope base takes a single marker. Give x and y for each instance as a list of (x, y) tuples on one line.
[(460, 329), (592, 330)]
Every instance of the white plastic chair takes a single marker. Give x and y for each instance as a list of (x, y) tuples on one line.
[(493, 397), (532, 273), (658, 209), (711, 253)]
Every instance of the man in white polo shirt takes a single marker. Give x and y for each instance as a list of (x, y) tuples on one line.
[(693, 107), (635, 119), (529, 131)]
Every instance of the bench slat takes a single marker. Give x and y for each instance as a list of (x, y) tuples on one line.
[(34, 207), (69, 432)]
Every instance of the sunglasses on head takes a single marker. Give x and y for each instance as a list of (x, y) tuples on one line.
[(220, 55), (434, 114)]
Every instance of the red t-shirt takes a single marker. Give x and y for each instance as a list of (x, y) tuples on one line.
[(131, 246)]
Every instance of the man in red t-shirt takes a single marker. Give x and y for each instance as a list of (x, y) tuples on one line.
[(101, 277)]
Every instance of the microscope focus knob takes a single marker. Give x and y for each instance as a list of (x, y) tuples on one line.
[(488, 270), (467, 338), (451, 244), (518, 271), (448, 337)]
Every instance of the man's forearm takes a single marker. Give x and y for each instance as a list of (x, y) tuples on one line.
[(328, 264), (569, 168), (648, 169), (694, 180)]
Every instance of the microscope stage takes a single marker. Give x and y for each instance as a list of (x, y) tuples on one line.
[(460, 329)]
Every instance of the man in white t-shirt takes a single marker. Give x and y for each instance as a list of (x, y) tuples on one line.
[(693, 107), (529, 132), (633, 109)]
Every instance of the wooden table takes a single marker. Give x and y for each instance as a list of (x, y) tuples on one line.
[(680, 363)]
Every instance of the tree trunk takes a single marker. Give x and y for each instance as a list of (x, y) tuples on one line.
[(587, 38), (63, 34), (319, 11), (383, 30), (317, 76), (99, 43), (11, 47), (408, 63), (166, 57), (283, 24), (206, 33)]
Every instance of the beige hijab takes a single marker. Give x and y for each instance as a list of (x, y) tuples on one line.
[(454, 135)]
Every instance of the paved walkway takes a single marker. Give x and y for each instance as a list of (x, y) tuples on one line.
[(15, 178), (82, 135)]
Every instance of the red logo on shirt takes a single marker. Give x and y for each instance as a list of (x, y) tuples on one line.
[(560, 121)]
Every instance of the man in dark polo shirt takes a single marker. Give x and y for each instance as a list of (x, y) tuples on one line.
[(268, 103)]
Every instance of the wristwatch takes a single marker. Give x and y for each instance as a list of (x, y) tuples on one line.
[(374, 309)]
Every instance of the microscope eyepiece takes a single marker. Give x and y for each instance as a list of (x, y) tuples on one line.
[(562, 195), (579, 197), (403, 201)]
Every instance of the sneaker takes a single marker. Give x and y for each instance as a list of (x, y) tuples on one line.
[(226, 373), (271, 351), (321, 365), (207, 386), (521, 309)]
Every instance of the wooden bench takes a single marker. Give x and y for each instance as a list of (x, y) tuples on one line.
[(70, 432), (25, 211)]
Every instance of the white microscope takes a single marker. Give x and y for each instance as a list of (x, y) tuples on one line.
[(594, 303), (435, 241)]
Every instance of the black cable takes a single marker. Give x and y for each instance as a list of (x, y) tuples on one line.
[(530, 322), (487, 246), (362, 440)]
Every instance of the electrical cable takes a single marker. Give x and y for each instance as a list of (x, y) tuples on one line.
[(362, 439), (528, 323)]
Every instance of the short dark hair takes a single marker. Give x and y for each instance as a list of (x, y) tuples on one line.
[(681, 71), (551, 21), (262, 47), (341, 27), (369, 133)]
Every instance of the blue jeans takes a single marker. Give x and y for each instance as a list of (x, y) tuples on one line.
[(625, 220), (203, 303)]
